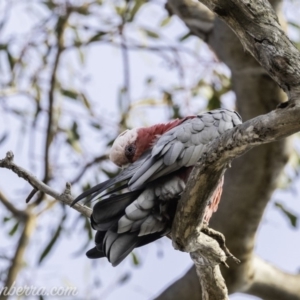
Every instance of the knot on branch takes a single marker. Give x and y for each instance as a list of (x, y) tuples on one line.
[(9, 156), (67, 191)]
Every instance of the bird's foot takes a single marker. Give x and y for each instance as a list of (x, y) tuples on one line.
[(220, 238)]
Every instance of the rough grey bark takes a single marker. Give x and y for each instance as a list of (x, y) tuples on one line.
[(207, 259), (259, 31), (220, 152), (256, 94)]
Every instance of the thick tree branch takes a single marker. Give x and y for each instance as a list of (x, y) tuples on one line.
[(269, 283), (256, 94), (219, 154), (207, 258), (206, 175), (257, 27), (65, 197)]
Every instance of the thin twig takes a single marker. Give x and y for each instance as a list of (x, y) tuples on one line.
[(19, 214), (65, 197), (60, 28), (87, 166)]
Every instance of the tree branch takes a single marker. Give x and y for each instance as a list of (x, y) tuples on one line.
[(65, 197), (257, 27), (207, 258), (197, 17), (87, 166), (17, 260), (256, 94), (205, 176), (270, 283), (219, 154), (60, 29), (19, 214)]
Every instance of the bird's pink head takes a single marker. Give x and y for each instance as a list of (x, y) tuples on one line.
[(131, 144), (124, 147)]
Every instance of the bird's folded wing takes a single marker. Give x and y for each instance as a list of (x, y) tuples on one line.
[(183, 145)]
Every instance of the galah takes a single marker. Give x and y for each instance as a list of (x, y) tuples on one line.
[(142, 199)]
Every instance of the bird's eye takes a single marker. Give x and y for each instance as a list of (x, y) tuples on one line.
[(130, 151)]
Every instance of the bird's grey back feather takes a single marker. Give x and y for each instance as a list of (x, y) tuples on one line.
[(183, 145)]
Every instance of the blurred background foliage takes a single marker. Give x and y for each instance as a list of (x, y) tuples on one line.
[(58, 120)]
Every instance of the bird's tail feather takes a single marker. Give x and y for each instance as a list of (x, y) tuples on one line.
[(117, 246), (94, 253), (106, 210), (124, 176)]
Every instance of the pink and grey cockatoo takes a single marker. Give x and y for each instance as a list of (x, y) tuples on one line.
[(156, 162)]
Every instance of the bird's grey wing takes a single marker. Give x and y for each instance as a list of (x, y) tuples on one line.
[(183, 145), (133, 219)]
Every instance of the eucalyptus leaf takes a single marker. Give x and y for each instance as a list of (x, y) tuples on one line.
[(53, 240), (291, 217)]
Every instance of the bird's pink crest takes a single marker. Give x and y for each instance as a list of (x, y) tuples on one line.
[(147, 136), (131, 144)]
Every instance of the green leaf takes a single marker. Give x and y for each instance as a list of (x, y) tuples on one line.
[(123, 279), (97, 37), (86, 103), (87, 226), (151, 33), (14, 229), (6, 219), (81, 55), (73, 137), (165, 21), (50, 4), (184, 37), (3, 137), (149, 80), (95, 125), (167, 97), (75, 131), (83, 9), (120, 10), (53, 240), (297, 26), (11, 59), (136, 7), (214, 102), (3, 47), (70, 94), (135, 260), (292, 218), (176, 112)]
